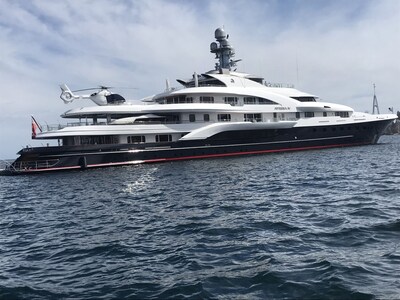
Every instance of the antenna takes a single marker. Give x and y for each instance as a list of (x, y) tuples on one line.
[(167, 85), (297, 70), (375, 103)]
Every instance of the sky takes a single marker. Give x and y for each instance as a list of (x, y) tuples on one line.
[(335, 49)]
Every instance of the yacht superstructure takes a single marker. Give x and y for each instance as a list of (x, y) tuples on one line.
[(218, 113)]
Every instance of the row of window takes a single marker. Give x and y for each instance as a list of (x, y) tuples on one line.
[(258, 117), (210, 99), (138, 139), (257, 100), (310, 114), (206, 117), (227, 118), (90, 140), (179, 99), (247, 100)]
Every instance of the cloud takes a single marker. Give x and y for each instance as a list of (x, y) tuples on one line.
[(335, 49)]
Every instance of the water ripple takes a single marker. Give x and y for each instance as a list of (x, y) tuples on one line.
[(307, 225)]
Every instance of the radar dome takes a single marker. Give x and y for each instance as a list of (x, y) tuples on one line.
[(225, 44), (220, 34)]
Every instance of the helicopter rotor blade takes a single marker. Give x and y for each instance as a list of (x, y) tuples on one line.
[(103, 87), (88, 89), (126, 88)]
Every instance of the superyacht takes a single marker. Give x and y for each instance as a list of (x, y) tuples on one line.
[(219, 113)]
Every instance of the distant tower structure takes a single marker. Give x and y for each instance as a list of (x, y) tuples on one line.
[(375, 103)]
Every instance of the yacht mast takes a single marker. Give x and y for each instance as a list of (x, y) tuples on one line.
[(224, 51)]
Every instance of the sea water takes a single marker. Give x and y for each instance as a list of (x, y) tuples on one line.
[(312, 225)]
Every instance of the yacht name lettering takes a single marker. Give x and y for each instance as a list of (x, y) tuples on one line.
[(282, 108)]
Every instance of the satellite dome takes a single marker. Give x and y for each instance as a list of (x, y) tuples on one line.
[(220, 34)]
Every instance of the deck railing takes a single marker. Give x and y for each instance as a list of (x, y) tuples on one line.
[(54, 127), (32, 165)]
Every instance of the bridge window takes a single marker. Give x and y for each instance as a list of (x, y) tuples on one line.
[(304, 99), (206, 118), (192, 118), (297, 115)]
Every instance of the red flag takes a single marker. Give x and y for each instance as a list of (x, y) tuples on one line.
[(35, 126)]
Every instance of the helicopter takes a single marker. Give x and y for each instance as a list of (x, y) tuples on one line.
[(101, 97)]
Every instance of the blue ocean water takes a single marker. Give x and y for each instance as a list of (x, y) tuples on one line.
[(304, 225)]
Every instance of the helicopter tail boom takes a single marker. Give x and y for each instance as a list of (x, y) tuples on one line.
[(66, 94)]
